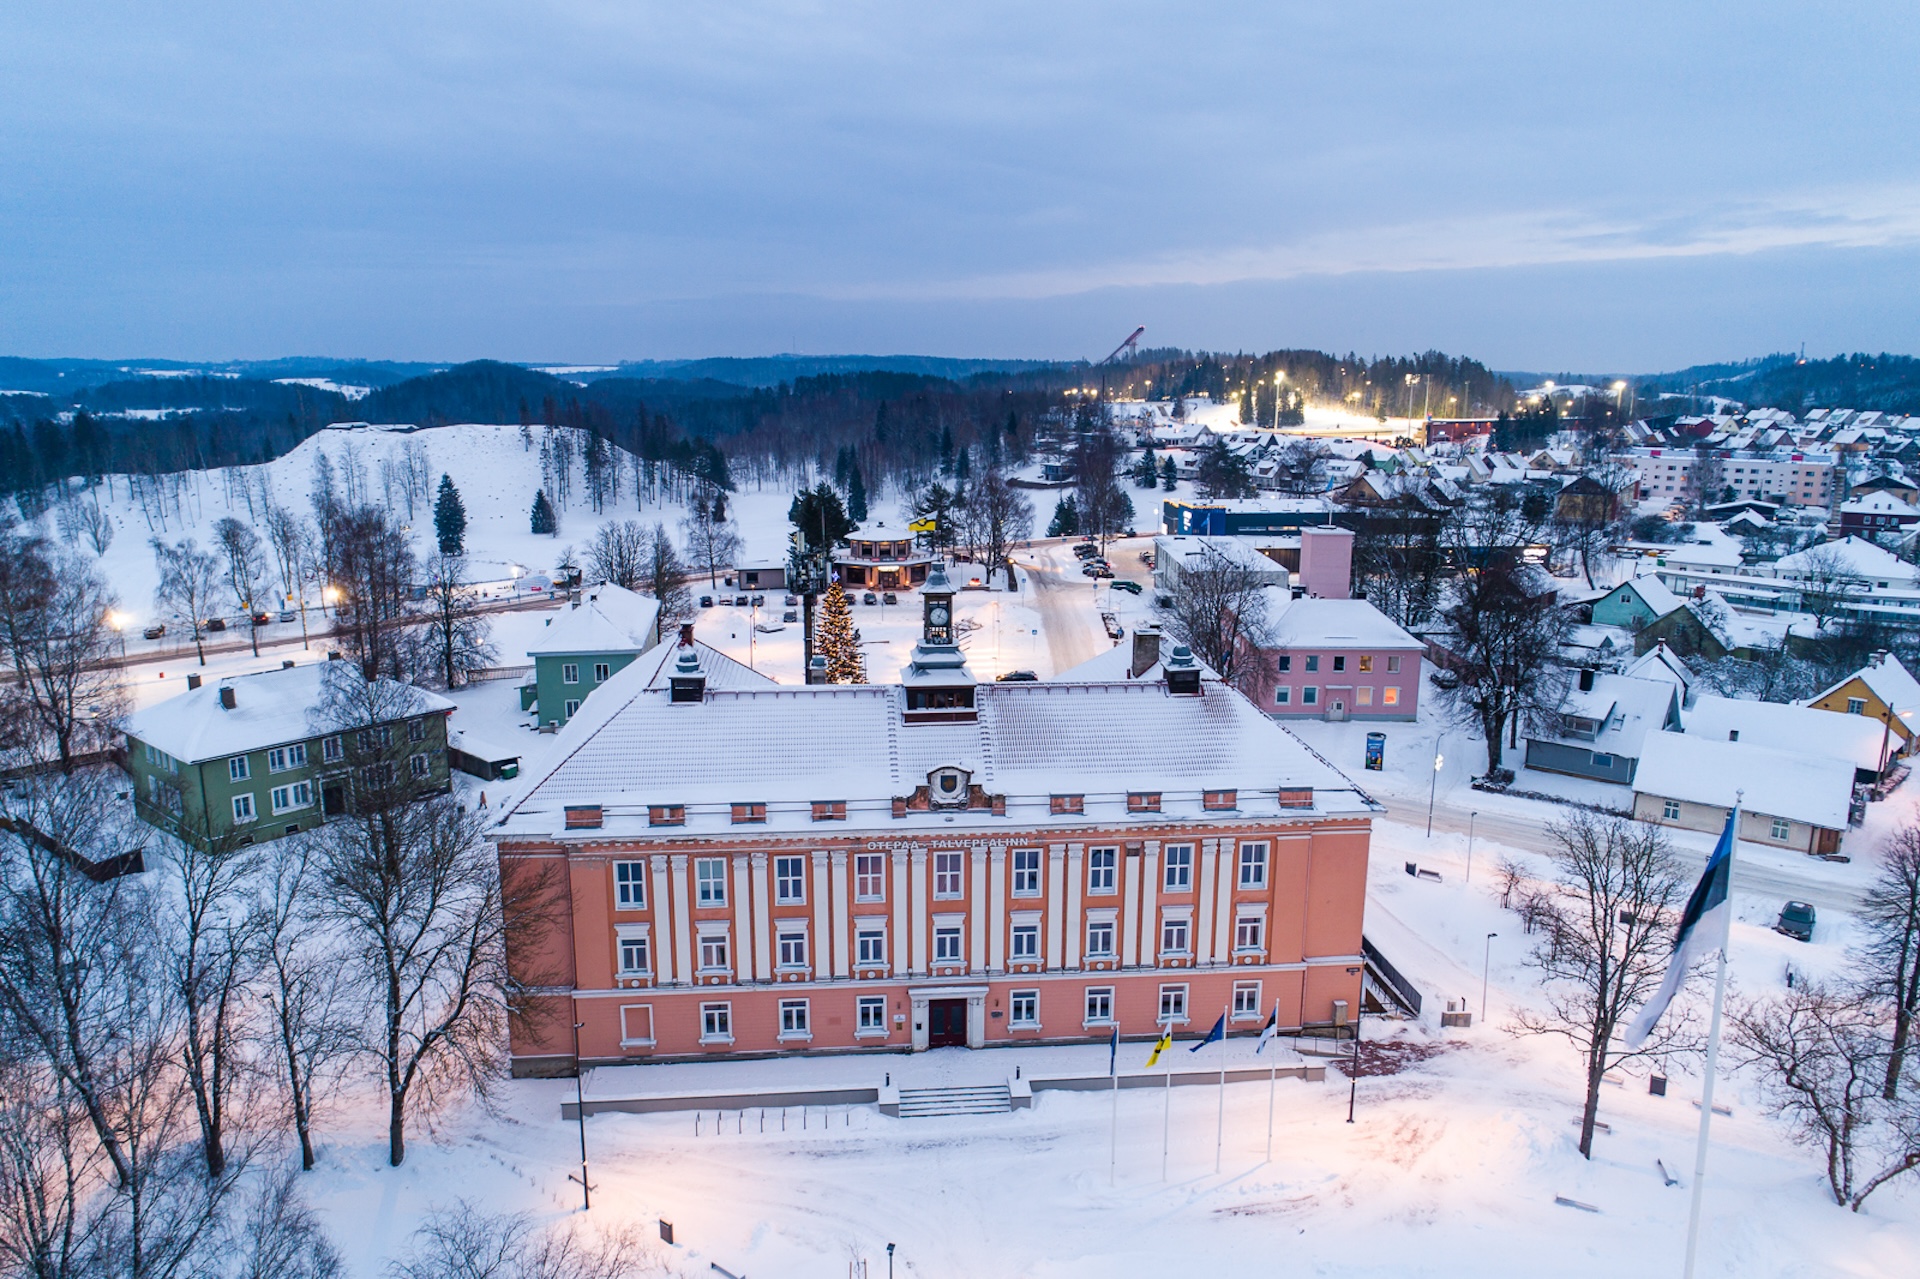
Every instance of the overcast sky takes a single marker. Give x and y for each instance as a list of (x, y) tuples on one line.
[(1633, 188)]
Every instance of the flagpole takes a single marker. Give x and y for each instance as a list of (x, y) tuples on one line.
[(1713, 1054), (1273, 1073), (1166, 1119), (1220, 1123), (1113, 1132)]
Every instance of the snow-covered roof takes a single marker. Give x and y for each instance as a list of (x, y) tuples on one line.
[(1197, 551), (1654, 593), (1777, 784), (606, 619), (1793, 729), (1888, 680), (1855, 557), (271, 708), (1629, 710), (1661, 663), (631, 746), (1311, 622), (1880, 503)]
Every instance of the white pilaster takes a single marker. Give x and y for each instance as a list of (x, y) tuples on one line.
[(918, 958), (1075, 929), (1056, 904), (679, 929), (1203, 935), (1130, 907), (822, 939), (1150, 903), (897, 943), (842, 923), (742, 887), (1229, 874), (997, 909), (762, 920), (977, 911)]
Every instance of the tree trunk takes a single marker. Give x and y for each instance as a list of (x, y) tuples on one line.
[(1595, 1069), (397, 1130), (1903, 1005), (1492, 725)]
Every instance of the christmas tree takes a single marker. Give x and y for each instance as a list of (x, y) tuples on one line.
[(543, 520), (835, 639), (450, 519)]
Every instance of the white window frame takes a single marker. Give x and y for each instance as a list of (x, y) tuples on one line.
[(1173, 1004), (332, 751), (869, 930), (1030, 934), (709, 890), (1026, 878), (573, 707), (1097, 1006), (1669, 810), (417, 729), (1023, 1009), (629, 885), (790, 945), (238, 769), (796, 1019), (1183, 921), (243, 808), (291, 798), (949, 875), (870, 1016), (715, 935), (1781, 828), (627, 1038), (1101, 932), (1183, 865), (1253, 864), (1283, 696), (949, 943), (716, 1022), (634, 934), (1250, 933), (1309, 696), (419, 766), (870, 877), (602, 672), (790, 880), (1103, 871), (1246, 1000), (569, 672)]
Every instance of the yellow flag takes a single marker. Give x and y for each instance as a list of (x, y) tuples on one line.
[(1166, 1042), (923, 526)]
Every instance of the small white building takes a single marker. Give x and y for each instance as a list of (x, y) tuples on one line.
[(1789, 801)]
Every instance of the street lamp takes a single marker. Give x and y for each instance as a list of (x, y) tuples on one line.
[(1486, 963), (580, 1115), (1470, 816), (1353, 1072), (1432, 786), (889, 1261)]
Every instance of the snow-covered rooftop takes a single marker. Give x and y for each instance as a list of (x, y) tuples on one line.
[(1813, 733), (1778, 784), (1854, 556), (271, 708), (1628, 710), (1654, 593), (1888, 680), (606, 619), (1310, 622)]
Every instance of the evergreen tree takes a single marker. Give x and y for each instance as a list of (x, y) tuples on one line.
[(841, 462), (856, 494), (543, 517), (1169, 475), (946, 450), (836, 639), (963, 464), (1147, 473), (720, 507), (450, 518), (1249, 404), (1066, 519)]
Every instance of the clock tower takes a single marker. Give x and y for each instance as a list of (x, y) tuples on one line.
[(938, 684)]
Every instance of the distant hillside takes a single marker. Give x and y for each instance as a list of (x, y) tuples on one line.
[(1860, 381), (772, 370)]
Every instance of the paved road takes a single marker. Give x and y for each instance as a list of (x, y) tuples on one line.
[(1066, 601), (1811, 881)]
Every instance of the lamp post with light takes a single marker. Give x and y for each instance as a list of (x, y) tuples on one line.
[(1486, 968), (1470, 816), (1432, 786)]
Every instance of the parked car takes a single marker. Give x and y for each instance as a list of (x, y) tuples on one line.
[(889, 598), (868, 598), (1017, 677), (1086, 550), (216, 623), (1796, 921), (741, 601), (792, 601), (1445, 679), (1146, 557), (768, 628), (1096, 570), (791, 615), (286, 615), (706, 601), (1131, 588), (759, 601), (155, 631)]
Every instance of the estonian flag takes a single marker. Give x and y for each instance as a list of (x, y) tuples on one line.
[(1703, 930), (1270, 1030), (1214, 1036), (1165, 1042), (1113, 1052)]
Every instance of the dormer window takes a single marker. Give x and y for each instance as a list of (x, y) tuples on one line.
[(829, 810), (1215, 801), (667, 815), (1067, 804), (749, 814), (1143, 801)]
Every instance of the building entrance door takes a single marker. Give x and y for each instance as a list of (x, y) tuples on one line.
[(1337, 710), (946, 1023)]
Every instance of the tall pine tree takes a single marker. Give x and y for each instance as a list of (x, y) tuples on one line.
[(1066, 519), (856, 493), (450, 518), (543, 517), (838, 641)]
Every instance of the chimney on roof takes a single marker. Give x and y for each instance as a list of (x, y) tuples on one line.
[(1146, 651), (1183, 673), (193, 681), (226, 697), (1586, 679), (686, 635), (688, 683)]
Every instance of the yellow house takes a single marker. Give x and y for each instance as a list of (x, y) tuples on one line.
[(1882, 690)]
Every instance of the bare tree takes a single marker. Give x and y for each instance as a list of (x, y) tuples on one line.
[(1000, 516), (281, 1238), (296, 558), (1606, 945), (711, 542), (455, 632), (464, 1241), (619, 552), (1218, 607), (189, 584), (48, 1169), (1506, 633), (664, 577), (55, 629), (1823, 579), (1889, 958), (82, 518), (374, 573), (1100, 496), (1821, 1061), (246, 568), (310, 1031)]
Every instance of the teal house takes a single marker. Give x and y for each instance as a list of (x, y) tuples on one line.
[(1635, 603), (255, 758), (583, 645)]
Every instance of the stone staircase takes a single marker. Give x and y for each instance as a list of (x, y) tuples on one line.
[(980, 1099)]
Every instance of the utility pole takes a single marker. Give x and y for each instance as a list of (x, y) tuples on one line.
[(1486, 969), (1433, 786)]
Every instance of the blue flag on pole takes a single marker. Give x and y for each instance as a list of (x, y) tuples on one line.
[(1703, 930), (1271, 1029), (1214, 1036)]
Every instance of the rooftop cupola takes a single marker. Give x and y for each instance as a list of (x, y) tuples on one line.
[(687, 683), (1183, 673), (939, 686)]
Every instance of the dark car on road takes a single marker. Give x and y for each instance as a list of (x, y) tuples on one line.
[(1017, 677), (869, 598), (1096, 570), (1796, 921), (706, 601), (155, 631), (1131, 588)]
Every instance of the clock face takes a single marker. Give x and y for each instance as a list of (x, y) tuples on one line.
[(937, 615)]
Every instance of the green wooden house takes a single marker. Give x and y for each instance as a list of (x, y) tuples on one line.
[(254, 755), (582, 647)]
